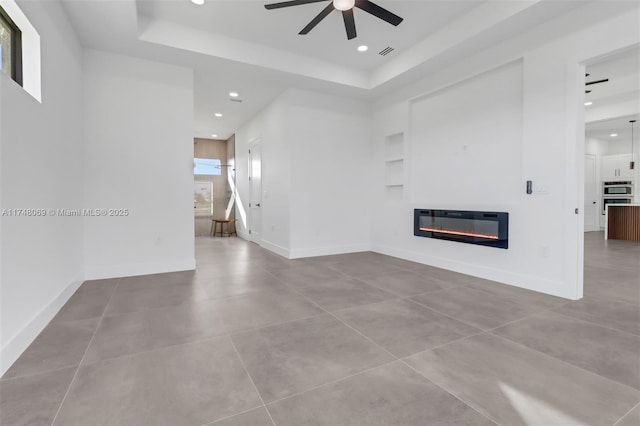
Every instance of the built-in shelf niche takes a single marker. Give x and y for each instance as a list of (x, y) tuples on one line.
[(394, 161)]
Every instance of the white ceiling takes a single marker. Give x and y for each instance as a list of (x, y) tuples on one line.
[(623, 72), (249, 21), (237, 45), (620, 125)]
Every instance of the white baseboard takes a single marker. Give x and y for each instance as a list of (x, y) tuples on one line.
[(18, 343), (134, 269), (282, 251), (327, 251), (551, 287)]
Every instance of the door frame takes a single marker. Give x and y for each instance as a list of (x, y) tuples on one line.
[(595, 226), (254, 214)]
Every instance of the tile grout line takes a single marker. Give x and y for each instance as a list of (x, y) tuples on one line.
[(232, 415), (564, 362), (598, 324), (24, 376), (251, 379), (295, 290), (468, 404), (443, 314), (322, 385), (246, 371), (393, 299), (379, 286), (491, 331), (610, 299), (480, 331), (261, 327), (203, 339), (75, 374), (625, 414), (403, 362), (475, 325)]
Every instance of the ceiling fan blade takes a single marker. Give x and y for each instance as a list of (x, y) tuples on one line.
[(349, 24), (290, 3), (315, 21), (596, 82), (379, 12)]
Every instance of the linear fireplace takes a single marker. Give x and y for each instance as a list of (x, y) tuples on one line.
[(481, 228)]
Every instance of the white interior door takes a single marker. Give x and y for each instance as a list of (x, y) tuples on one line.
[(591, 219), (255, 191)]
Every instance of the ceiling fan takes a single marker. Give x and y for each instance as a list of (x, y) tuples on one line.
[(589, 83), (346, 7)]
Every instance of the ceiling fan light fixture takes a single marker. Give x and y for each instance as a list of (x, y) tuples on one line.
[(198, 2), (344, 4)]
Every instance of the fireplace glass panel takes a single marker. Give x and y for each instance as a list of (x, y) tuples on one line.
[(459, 226), (472, 227)]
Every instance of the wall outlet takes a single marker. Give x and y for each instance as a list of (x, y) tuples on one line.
[(157, 241), (545, 251)]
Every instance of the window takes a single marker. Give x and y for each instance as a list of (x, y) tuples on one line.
[(206, 167), (203, 198), (10, 48)]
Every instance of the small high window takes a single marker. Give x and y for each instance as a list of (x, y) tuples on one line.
[(10, 48), (207, 167)]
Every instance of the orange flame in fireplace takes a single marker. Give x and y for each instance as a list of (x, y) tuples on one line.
[(464, 234)]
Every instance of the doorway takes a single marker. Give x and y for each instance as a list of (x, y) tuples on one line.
[(612, 100), (213, 164)]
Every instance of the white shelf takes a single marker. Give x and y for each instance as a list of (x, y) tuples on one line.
[(394, 173), (394, 146), (394, 163)]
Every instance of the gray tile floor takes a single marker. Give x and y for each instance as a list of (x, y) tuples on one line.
[(253, 339)]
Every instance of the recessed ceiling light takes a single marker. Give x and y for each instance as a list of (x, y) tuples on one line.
[(613, 135), (233, 94), (588, 103), (214, 136), (198, 2), (363, 48), (217, 114)]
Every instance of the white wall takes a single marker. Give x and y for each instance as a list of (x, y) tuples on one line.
[(331, 155), (316, 157), (619, 147), (41, 167), (466, 134), (545, 234), (138, 131), (595, 147)]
